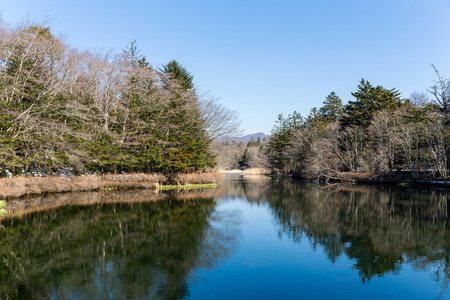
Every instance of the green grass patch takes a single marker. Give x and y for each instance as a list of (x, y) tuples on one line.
[(187, 186), (109, 189), (2, 208)]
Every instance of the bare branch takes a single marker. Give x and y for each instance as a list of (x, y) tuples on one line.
[(218, 120)]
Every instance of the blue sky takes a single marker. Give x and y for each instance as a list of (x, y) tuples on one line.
[(265, 57)]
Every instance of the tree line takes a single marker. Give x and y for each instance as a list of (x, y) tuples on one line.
[(99, 111), (238, 155), (378, 132)]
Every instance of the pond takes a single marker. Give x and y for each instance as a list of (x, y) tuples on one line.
[(253, 238)]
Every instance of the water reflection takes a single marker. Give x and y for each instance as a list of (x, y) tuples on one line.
[(379, 228), (113, 249), (142, 245)]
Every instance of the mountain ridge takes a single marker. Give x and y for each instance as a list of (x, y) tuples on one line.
[(245, 139)]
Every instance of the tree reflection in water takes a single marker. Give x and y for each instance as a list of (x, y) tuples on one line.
[(114, 250), (106, 248), (379, 228)]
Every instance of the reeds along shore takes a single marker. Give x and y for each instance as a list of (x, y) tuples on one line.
[(39, 203), (20, 186)]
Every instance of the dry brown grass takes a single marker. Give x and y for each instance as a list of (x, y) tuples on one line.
[(38, 203), (256, 171), (16, 187), (250, 171), (195, 178)]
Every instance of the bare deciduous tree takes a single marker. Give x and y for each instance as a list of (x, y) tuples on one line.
[(352, 141), (227, 154), (441, 92), (218, 120), (106, 83), (382, 132), (435, 135), (419, 99), (325, 159), (407, 136)]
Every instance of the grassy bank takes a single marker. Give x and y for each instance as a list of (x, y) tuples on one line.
[(37, 203), (16, 187)]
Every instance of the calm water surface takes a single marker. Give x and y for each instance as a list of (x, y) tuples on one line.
[(250, 239)]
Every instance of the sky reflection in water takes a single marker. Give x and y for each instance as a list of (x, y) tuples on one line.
[(261, 239)]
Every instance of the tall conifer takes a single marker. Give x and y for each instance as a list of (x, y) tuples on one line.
[(332, 108), (369, 99)]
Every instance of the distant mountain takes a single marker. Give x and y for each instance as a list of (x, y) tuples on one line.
[(245, 139)]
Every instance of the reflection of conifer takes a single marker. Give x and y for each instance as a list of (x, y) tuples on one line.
[(170, 240)]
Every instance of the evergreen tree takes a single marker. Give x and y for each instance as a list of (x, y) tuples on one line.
[(180, 133), (140, 110), (251, 143), (314, 118), (280, 138), (174, 72), (332, 108), (245, 159), (369, 99)]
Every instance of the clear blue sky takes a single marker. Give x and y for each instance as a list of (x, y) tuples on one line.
[(265, 57)]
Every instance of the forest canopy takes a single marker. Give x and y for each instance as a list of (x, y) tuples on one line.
[(99, 111), (378, 132)]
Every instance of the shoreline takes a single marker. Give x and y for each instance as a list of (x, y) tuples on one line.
[(23, 186), (44, 202), (392, 179), (250, 171)]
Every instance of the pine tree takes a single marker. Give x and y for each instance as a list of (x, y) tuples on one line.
[(180, 132), (251, 143), (314, 118), (369, 99), (174, 72), (280, 137), (245, 160), (140, 109), (332, 108)]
